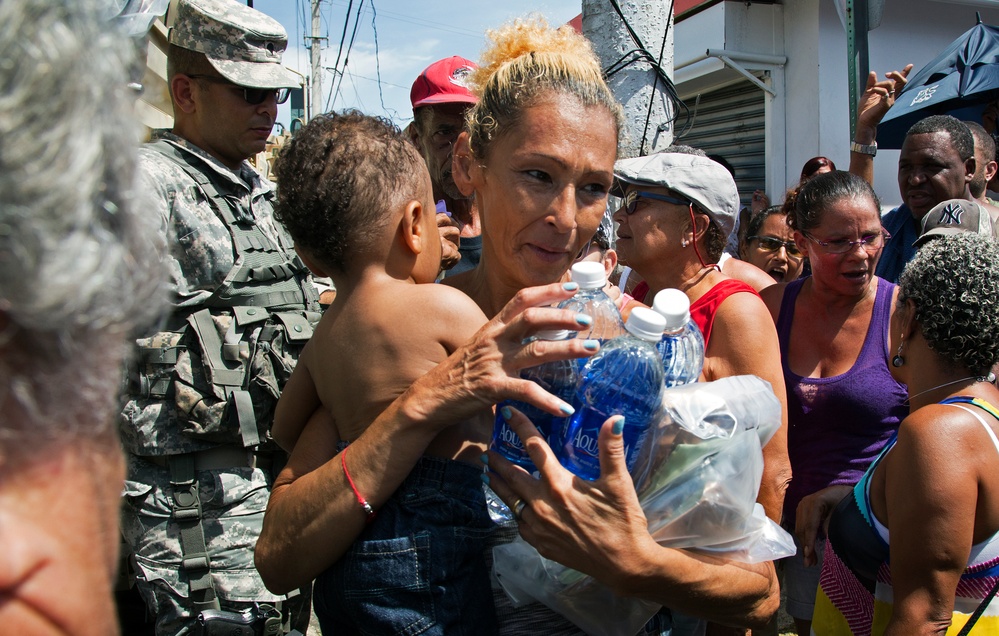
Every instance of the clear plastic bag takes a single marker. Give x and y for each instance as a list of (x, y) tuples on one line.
[(527, 576), (698, 476)]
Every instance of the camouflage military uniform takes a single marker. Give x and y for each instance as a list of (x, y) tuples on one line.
[(172, 407)]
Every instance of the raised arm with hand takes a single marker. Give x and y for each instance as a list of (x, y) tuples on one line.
[(314, 514), (878, 97), (599, 528)]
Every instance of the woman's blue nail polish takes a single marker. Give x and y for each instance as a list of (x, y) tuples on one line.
[(618, 425), (485, 478), (584, 320), (506, 412), (484, 459), (565, 408), (570, 286), (591, 345)]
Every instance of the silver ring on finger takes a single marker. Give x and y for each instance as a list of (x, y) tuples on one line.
[(518, 508)]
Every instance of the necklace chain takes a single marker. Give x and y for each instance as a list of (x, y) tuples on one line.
[(976, 378)]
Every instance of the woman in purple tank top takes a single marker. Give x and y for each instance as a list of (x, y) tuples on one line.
[(843, 403)]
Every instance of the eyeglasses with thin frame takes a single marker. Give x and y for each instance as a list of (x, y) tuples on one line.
[(630, 203), (773, 244), (253, 96), (870, 242)]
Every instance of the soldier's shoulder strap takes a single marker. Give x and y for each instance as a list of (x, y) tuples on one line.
[(188, 162)]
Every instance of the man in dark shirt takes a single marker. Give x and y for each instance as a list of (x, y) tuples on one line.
[(937, 163)]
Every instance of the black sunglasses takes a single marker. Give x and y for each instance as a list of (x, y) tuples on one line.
[(253, 96), (630, 203), (773, 244)]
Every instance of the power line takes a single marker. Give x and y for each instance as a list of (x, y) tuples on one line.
[(299, 27), (375, 79), (357, 93), (655, 82), (300, 10), (423, 22), (343, 35), (346, 57), (378, 66), (336, 65), (642, 54)]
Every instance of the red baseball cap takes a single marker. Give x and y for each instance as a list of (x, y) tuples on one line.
[(444, 82)]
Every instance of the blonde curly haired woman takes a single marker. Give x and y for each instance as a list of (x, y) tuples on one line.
[(538, 156)]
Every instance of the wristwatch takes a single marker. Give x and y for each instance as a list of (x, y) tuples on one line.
[(864, 149)]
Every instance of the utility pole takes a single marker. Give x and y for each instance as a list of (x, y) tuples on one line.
[(857, 53), (861, 16), (640, 90), (315, 57)]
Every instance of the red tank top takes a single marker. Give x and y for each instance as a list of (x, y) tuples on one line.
[(703, 310), (640, 292)]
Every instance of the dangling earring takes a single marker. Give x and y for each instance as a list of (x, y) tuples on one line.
[(898, 360)]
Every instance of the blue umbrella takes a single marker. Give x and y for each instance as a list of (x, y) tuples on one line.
[(960, 82)]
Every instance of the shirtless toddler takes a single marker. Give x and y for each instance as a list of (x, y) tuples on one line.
[(356, 197)]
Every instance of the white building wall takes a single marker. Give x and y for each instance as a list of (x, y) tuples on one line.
[(815, 95), (913, 31), (809, 95), (751, 36)]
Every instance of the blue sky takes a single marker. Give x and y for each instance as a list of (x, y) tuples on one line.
[(411, 35)]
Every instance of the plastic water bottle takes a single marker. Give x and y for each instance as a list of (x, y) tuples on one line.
[(592, 300), (682, 346), (558, 377), (624, 378)]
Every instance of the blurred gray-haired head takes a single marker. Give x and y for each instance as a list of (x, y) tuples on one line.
[(79, 265), (953, 281)]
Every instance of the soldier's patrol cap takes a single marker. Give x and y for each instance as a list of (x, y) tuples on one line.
[(242, 44)]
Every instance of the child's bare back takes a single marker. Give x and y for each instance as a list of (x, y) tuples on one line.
[(375, 341)]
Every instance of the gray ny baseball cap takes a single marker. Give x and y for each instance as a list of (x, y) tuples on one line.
[(955, 216), (243, 44), (703, 181)]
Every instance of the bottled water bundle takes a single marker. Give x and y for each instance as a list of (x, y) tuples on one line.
[(592, 300), (624, 378), (682, 346), (558, 377), (697, 476)]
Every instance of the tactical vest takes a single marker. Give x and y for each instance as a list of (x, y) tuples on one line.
[(224, 364)]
